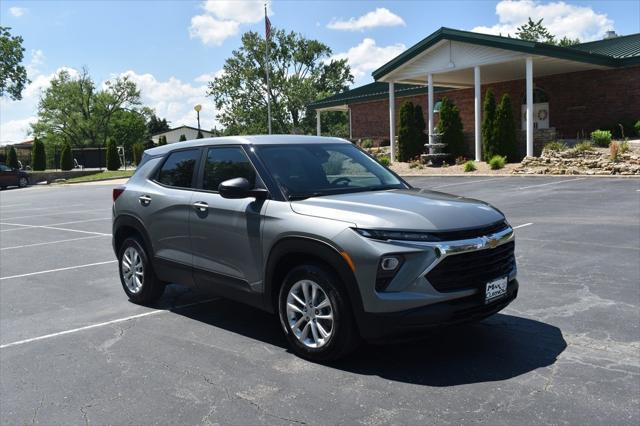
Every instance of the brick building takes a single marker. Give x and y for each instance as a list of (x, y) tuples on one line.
[(573, 90)]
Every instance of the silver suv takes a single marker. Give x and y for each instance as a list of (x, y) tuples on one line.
[(315, 230)]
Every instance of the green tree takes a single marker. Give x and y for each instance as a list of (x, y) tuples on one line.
[(162, 140), (536, 31), (156, 125), (301, 72), (113, 159), (505, 130), (138, 150), (182, 138), (13, 75), (38, 155), (12, 158), (72, 108), (200, 135), (450, 125), (66, 157), (406, 131), (489, 148), (421, 137), (128, 128)]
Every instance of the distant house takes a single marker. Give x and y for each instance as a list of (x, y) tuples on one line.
[(173, 135)]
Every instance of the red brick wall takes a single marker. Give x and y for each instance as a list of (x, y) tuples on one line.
[(578, 102)]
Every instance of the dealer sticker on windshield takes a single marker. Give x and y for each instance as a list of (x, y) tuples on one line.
[(495, 289)]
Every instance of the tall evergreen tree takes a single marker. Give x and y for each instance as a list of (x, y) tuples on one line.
[(66, 157), (489, 148), (138, 149), (450, 125), (200, 135), (406, 131), (421, 137), (183, 138), (38, 155), (12, 158), (162, 140), (113, 159), (505, 130)]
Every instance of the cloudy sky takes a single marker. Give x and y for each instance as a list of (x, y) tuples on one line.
[(172, 48)]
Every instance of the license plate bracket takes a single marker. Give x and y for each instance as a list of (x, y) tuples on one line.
[(495, 289)]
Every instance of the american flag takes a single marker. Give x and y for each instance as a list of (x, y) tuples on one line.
[(267, 25)]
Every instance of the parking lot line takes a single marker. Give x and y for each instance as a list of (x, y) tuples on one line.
[(39, 208), (523, 225), (466, 183), (52, 242), (57, 270), (102, 324), (51, 224), (51, 227), (551, 183), (54, 213)]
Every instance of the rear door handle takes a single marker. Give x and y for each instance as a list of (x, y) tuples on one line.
[(201, 205), (144, 199)]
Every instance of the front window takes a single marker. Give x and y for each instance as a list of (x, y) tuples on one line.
[(224, 164), (304, 171)]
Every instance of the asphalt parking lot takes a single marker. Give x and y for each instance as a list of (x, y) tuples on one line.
[(73, 350)]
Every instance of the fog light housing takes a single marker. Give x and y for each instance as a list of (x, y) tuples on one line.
[(388, 267)]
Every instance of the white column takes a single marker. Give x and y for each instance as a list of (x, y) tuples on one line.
[(318, 129), (477, 112), (392, 121), (350, 127), (430, 106), (530, 106)]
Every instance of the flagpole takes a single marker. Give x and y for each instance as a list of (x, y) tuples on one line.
[(267, 37)]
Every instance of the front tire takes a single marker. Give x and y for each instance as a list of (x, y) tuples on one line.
[(316, 315), (137, 276)]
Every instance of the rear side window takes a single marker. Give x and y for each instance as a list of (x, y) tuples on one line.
[(178, 168), (224, 164)]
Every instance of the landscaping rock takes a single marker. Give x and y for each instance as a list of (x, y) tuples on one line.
[(573, 162)]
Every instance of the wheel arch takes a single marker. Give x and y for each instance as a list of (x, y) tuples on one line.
[(291, 251), (126, 225)]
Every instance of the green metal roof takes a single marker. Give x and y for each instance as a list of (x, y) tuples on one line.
[(626, 48), (535, 48), (370, 92)]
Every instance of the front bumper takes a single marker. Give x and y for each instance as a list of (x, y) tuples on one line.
[(409, 323)]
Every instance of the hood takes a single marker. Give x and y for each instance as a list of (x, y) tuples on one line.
[(406, 209)]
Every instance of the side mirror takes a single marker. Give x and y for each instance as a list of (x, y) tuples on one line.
[(240, 188)]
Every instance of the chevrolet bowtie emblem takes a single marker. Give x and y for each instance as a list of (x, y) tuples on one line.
[(493, 243)]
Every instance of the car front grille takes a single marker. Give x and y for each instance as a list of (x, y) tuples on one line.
[(463, 234), (472, 269)]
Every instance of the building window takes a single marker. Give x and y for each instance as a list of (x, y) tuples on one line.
[(539, 97)]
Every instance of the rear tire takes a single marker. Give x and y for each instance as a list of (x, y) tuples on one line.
[(23, 182), (137, 276), (315, 314)]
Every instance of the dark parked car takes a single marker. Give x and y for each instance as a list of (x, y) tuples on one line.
[(12, 177)]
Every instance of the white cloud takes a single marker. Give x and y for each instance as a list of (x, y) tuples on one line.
[(15, 130), (222, 19), (212, 31), (206, 78), (17, 11), (562, 19), (367, 56), (174, 99), (381, 17)]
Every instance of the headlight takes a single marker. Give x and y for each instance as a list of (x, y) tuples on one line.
[(397, 235)]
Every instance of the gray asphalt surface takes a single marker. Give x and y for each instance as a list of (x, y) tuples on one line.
[(566, 351)]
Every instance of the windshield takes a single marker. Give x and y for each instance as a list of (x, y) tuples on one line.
[(304, 171)]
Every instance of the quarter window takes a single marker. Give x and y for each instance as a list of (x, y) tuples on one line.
[(224, 164), (178, 169)]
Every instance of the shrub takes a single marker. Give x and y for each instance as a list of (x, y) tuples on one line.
[(113, 159), (415, 165), (497, 162), (162, 140), (614, 151), (584, 146), (601, 138), (555, 146), (624, 147), (461, 160), (12, 158), (637, 127), (450, 125), (138, 149), (182, 138), (66, 159), (488, 123), (406, 131), (504, 130), (384, 161), (38, 155), (367, 144), (200, 135), (470, 166), (421, 138)]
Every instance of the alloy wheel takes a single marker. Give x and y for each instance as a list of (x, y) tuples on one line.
[(310, 314), (132, 270)]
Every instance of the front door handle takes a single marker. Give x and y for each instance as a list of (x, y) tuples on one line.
[(144, 199), (201, 205)]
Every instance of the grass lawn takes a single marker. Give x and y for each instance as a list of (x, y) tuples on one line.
[(102, 175)]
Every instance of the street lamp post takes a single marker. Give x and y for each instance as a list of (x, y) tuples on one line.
[(198, 108)]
